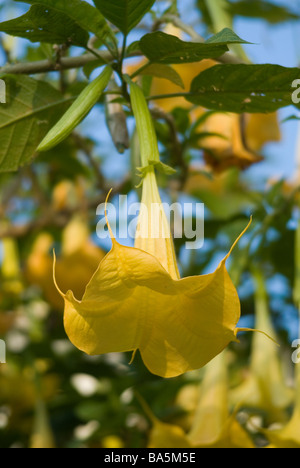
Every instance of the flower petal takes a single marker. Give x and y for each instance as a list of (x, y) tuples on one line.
[(133, 303)]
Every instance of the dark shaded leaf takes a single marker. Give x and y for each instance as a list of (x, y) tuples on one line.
[(83, 14), (160, 47), (125, 14), (31, 110), (42, 24), (160, 70), (164, 48), (244, 88)]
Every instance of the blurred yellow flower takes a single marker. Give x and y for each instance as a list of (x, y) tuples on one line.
[(265, 387), (289, 435), (112, 441), (213, 426), (260, 129), (11, 268), (227, 149), (79, 260), (42, 436)]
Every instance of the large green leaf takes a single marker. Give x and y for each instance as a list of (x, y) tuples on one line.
[(160, 47), (42, 24), (83, 14), (31, 110), (244, 88), (125, 14)]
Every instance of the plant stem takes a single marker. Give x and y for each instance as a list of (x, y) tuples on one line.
[(66, 63)]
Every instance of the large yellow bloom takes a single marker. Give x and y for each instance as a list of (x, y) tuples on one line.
[(136, 300)]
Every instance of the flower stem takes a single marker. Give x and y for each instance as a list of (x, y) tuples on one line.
[(145, 126)]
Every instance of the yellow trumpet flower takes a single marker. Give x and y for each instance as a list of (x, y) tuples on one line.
[(136, 300), (228, 149)]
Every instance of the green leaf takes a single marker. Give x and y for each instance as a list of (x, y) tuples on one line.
[(266, 10), (226, 37), (42, 24), (31, 110), (160, 47), (159, 166), (133, 48), (291, 117), (160, 70), (244, 88), (83, 14), (125, 14), (80, 108)]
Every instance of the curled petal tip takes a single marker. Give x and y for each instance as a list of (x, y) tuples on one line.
[(54, 275), (238, 239)]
